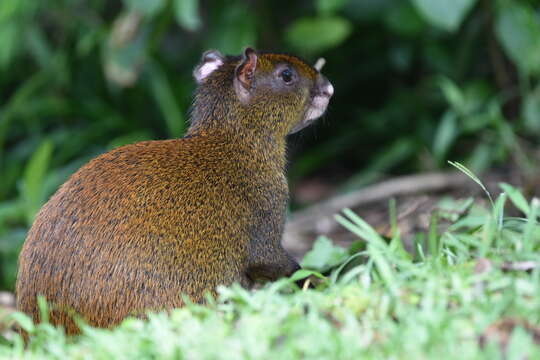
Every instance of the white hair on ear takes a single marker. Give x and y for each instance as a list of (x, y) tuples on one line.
[(206, 69), (211, 61), (319, 64)]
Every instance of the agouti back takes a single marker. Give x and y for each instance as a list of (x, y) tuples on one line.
[(138, 227)]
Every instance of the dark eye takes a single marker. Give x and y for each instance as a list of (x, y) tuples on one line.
[(287, 76)]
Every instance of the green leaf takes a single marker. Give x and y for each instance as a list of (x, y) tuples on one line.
[(531, 111), (38, 45), (337, 272), (187, 14), (129, 138), (146, 7), (313, 35), (453, 94), (444, 14), (324, 255), (330, 6), (518, 30), (445, 136), (384, 268), (434, 243), (3, 341), (89, 40), (11, 211), (521, 343), (9, 9), (34, 179), (480, 158), (360, 227), (163, 95), (498, 210), (8, 42), (403, 19), (304, 273), (232, 39), (43, 309), (125, 51), (516, 197), (24, 321), (532, 225)]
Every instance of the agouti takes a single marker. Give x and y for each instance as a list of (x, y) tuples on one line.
[(136, 228)]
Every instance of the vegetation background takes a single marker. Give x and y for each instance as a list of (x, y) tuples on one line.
[(417, 82)]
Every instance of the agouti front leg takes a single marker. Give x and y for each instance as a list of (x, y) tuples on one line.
[(267, 259), (271, 272), (274, 264)]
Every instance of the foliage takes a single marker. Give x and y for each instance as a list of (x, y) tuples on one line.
[(456, 298), (79, 77)]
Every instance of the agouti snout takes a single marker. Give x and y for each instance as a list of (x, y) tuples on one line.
[(139, 227)]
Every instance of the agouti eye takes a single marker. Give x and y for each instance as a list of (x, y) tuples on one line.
[(287, 76)]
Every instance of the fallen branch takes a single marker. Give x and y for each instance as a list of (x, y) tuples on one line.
[(519, 266), (310, 218), (319, 218)]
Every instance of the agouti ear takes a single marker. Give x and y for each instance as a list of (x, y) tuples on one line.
[(244, 74), (211, 60)]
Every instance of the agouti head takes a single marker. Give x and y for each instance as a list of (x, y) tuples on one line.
[(265, 92)]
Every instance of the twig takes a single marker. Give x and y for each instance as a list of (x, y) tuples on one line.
[(7, 299), (306, 284), (519, 266)]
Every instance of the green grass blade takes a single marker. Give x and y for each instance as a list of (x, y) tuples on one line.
[(516, 197), (473, 177), (498, 210), (34, 179), (433, 237), (531, 227), (164, 97)]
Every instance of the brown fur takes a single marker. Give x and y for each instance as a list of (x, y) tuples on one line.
[(139, 226)]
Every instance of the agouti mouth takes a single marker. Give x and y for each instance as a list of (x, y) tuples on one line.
[(320, 98), (315, 110), (317, 107)]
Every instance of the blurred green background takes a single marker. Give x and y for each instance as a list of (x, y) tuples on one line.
[(417, 82)]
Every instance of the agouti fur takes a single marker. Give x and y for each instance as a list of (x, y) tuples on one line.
[(136, 228)]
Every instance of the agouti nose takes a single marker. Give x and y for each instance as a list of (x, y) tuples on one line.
[(325, 87), (329, 89)]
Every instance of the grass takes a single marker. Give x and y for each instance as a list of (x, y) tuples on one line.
[(455, 297)]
